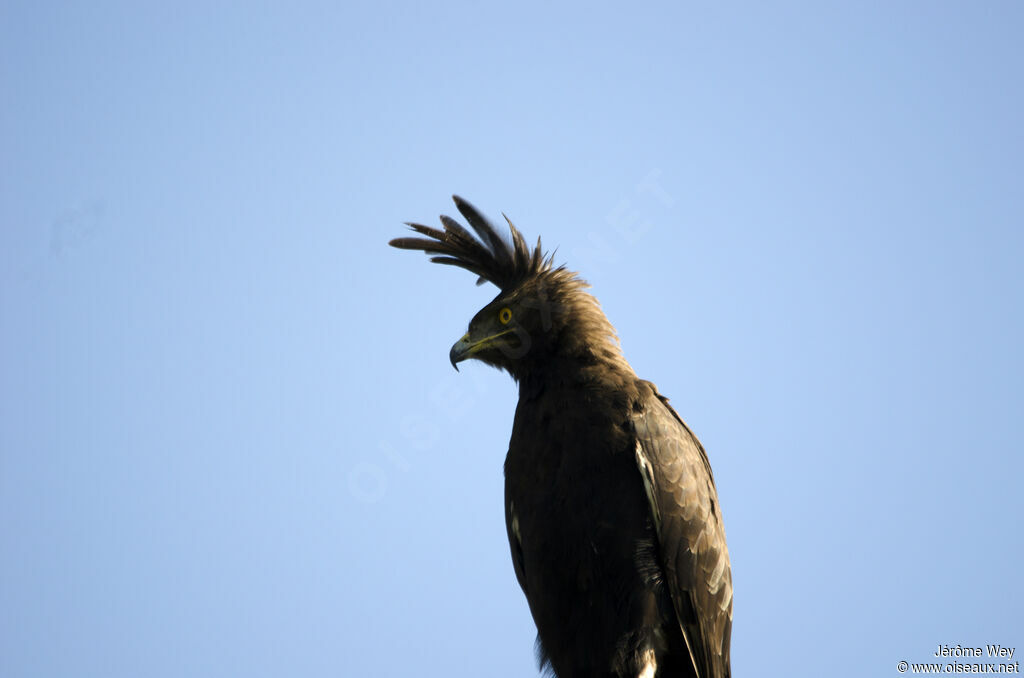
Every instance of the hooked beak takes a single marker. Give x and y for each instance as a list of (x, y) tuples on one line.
[(467, 347), (460, 351)]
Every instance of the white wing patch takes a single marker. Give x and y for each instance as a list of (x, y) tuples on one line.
[(650, 665), (647, 473)]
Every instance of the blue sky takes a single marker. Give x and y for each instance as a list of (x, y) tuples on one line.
[(231, 442)]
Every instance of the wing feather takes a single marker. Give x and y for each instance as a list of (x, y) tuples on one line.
[(691, 536)]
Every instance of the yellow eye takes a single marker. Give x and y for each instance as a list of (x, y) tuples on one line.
[(505, 315)]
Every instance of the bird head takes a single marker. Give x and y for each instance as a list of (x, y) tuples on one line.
[(542, 312), (516, 328)]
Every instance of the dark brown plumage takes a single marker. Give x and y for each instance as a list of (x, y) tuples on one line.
[(612, 514)]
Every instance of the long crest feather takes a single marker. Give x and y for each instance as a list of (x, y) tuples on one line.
[(491, 258)]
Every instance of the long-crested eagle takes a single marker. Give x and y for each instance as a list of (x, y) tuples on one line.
[(612, 514)]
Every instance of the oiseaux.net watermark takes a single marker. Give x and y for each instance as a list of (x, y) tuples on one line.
[(965, 659)]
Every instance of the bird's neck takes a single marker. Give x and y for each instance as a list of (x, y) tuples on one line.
[(579, 345), (591, 369)]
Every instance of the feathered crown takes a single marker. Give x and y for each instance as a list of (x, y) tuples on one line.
[(492, 257)]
